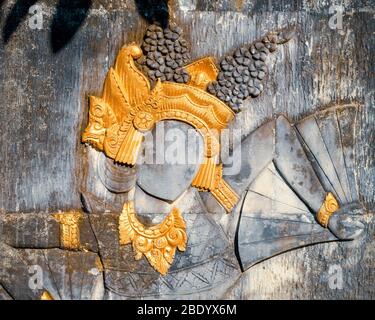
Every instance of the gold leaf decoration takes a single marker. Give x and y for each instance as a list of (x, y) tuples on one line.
[(157, 243), (69, 229), (128, 108), (328, 208)]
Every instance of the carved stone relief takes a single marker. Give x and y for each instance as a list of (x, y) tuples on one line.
[(186, 230)]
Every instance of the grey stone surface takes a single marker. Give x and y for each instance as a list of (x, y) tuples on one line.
[(348, 119), (29, 231), (94, 204), (145, 203), (172, 175), (40, 231), (15, 276), (4, 295), (295, 167), (115, 177), (257, 151), (274, 220), (68, 275), (94, 192)]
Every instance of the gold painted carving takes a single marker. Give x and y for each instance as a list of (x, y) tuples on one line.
[(46, 296), (328, 208), (202, 72), (69, 229), (157, 243), (128, 107)]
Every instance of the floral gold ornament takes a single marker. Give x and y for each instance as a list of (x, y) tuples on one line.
[(328, 208), (69, 229), (129, 107), (157, 243)]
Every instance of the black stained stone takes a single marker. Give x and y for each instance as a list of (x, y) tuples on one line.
[(259, 45), (259, 63), (256, 56)]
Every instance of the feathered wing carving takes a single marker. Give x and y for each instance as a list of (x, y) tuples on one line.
[(273, 218), (329, 140)]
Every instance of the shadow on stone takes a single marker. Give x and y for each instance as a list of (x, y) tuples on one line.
[(68, 18), (15, 17), (154, 11)]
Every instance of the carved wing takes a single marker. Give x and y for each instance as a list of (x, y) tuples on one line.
[(329, 139), (273, 218)]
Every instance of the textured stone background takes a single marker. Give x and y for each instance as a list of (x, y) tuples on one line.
[(44, 110)]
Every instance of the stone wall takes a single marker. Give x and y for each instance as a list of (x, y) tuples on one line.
[(47, 74)]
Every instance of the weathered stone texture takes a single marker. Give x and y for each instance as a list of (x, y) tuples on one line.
[(44, 167)]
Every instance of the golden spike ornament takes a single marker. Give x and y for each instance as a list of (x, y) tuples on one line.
[(129, 107), (157, 243)]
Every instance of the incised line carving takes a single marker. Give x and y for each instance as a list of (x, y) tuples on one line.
[(157, 243)]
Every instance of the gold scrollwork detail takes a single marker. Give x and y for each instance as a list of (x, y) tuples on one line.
[(129, 107), (157, 243), (328, 208), (69, 229)]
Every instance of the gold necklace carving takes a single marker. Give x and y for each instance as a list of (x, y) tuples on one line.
[(157, 243)]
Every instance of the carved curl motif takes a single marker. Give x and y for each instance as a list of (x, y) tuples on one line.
[(328, 208)]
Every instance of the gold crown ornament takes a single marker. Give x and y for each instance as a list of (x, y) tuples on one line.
[(129, 107)]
